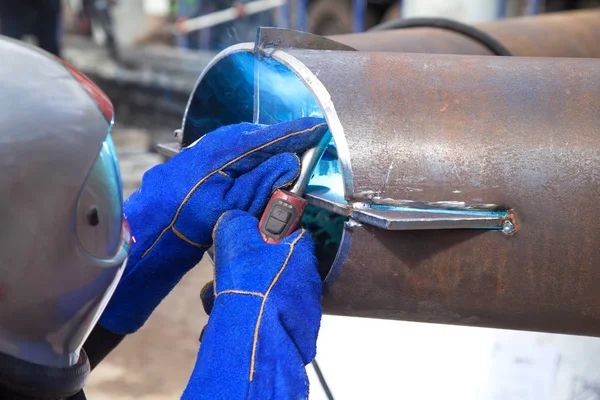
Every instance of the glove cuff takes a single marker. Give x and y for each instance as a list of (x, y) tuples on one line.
[(146, 283), (248, 353), (226, 355)]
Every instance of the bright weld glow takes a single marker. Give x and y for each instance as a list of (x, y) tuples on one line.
[(282, 96), (242, 87)]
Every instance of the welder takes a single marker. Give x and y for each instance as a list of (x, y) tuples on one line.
[(39, 18), (78, 267), (243, 29)]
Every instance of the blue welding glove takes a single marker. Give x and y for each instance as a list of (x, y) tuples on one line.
[(263, 326), (173, 213)]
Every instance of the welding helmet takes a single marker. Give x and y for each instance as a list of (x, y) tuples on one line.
[(63, 238)]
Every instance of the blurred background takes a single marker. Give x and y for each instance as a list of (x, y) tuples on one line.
[(147, 55)]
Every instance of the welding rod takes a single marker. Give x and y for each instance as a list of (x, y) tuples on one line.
[(229, 14), (310, 159)]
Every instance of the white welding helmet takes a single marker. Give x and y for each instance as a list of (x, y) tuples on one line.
[(63, 237)]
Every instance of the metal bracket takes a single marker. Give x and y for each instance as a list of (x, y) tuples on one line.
[(409, 218), (171, 149), (405, 218), (277, 38)]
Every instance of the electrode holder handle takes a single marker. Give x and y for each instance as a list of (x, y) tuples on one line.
[(282, 216)]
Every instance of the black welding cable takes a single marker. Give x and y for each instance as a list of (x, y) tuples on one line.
[(454, 26), (322, 380)]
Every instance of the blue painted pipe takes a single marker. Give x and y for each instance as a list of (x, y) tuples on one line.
[(183, 12), (301, 13), (359, 14), (501, 9), (534, 7), (284, 15)]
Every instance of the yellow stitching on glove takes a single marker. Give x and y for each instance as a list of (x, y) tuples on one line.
[(215, 253), (262, 296), (214, 231), (182, 237), (224, 174), (229, 163), (295, 177), (262, 306)]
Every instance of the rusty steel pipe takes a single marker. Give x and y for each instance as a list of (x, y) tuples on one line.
[(565, 34), (485, 132), (450, 133)]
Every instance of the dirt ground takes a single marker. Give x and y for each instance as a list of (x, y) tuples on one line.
[(155, 362)]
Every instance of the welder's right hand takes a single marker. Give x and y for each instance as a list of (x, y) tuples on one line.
[(173, 213), (263, 327)]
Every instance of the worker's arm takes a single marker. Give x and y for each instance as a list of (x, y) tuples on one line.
[(173, 213), (265, 318)]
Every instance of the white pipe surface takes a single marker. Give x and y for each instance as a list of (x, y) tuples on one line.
[(229, 14), (467, 11), (157, 8)]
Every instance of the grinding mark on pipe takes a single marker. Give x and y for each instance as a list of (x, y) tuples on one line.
[(370, 197), (387, 178)]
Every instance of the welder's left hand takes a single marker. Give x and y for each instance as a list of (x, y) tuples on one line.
[(173, 213)]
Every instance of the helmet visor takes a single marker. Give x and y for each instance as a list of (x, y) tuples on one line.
[(100, 225)]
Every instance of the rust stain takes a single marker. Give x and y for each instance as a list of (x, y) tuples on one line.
[(508, 135)]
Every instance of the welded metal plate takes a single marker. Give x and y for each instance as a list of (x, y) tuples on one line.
[(287, 38), (418, 219)]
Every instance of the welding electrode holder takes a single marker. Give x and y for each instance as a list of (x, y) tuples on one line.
[(282, 216), (285, 208)]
